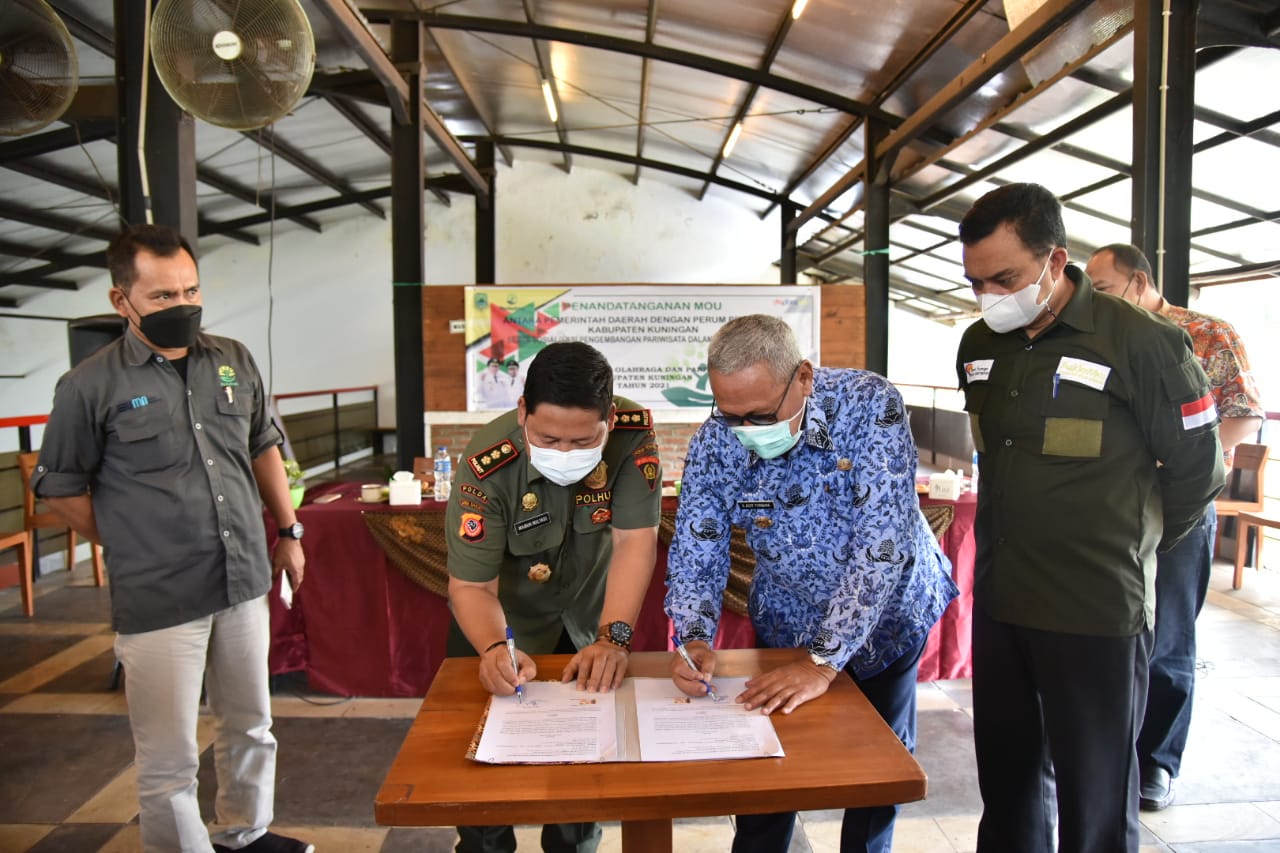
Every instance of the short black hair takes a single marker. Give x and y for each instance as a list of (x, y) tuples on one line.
[(159, 240), (1032, 211), (1128, 257), (493, 361), (570, 374)]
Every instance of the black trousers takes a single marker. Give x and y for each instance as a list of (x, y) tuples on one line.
[(1057, 708), (556, 837)]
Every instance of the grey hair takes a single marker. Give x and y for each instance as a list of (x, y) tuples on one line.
[(749, 340)]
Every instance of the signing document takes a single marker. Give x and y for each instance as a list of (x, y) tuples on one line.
[(646, 719)]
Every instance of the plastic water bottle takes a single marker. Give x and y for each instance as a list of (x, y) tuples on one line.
[(443, 474), (973, 481)]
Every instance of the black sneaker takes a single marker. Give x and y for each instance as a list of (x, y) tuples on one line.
[(271, 843), (1156, 791)]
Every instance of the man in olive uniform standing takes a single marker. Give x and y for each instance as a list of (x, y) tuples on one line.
[(1073, 397), (553, 530)]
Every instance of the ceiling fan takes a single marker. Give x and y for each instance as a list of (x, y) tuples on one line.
[(237, 65), (39, 72)]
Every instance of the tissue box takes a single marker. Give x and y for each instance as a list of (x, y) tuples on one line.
[(404, 489), (944, 487)]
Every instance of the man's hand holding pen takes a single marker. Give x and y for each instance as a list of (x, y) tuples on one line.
[(498, 676), (694, 680)]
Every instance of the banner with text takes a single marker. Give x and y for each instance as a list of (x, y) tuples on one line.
[(654, 336)]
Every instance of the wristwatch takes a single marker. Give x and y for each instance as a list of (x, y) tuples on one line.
[(293, 531), (819, 660), (618, 633)]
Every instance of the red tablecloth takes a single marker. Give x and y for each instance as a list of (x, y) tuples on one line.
[(360, 627), (948, 653)]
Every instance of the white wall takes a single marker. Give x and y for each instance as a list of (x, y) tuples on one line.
[(331, 324)]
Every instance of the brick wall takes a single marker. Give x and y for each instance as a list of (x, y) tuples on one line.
[(673, 440)]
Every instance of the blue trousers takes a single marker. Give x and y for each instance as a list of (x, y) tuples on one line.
[(1182, 581), (893, 694)]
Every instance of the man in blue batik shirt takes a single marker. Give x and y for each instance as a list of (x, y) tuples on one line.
[(818, 466)]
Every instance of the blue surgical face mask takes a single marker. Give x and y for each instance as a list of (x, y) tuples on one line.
[(772, 440)]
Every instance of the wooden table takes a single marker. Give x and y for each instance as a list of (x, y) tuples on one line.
[(839, 754)]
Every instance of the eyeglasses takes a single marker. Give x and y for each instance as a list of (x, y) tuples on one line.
[(753, 419)]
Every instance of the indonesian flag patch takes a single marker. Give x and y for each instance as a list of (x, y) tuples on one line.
[(1199, 413)]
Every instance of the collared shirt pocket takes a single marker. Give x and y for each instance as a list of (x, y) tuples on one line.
[(1073, 418), (235, 411), (146, 439), (975, 399), (592, 518)]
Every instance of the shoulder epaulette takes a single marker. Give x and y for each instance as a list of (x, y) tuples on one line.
[(634, 419), (491, 459)]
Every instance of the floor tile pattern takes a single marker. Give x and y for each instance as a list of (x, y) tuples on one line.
[(67, 781)]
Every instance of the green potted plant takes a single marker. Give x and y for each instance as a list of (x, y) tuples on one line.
[(297, 488)]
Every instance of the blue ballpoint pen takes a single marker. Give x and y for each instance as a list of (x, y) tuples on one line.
[(511, 650), (684, 654)]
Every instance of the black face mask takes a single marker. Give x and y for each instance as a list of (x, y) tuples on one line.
[(172, 328)]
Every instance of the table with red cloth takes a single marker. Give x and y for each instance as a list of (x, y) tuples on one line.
[(360, 626)]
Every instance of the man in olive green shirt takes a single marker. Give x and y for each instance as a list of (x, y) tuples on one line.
[(1073, 397), (553, 531)]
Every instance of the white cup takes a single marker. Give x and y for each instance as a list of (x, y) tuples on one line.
[(371, 492)]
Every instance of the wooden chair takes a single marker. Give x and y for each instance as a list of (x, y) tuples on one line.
[(20, 541), (1245, 522), (424, 469), (33, 521), (1244, 489)]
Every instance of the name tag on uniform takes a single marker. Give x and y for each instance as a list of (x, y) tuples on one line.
[(755, 504), (530, 523), (979, 370), (1087, 373)]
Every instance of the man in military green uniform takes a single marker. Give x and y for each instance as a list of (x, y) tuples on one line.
[(1074, 396), (553, 531)]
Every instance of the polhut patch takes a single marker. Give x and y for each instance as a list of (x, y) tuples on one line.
[(471, 529), (634, 419), (487, 461), (601, 515)]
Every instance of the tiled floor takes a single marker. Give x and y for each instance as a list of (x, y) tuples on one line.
[(67, 784)]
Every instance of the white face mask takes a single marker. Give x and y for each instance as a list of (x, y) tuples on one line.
[(564, 467), (1009, 311)]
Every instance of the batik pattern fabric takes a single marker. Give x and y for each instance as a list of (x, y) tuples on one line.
[(1225, 362), (846, 565)]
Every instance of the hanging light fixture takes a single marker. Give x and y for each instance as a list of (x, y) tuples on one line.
[(550, 98), (731, 141)]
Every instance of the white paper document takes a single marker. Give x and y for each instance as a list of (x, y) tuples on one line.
[(556, 723), (676, 727), (647, 719)]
